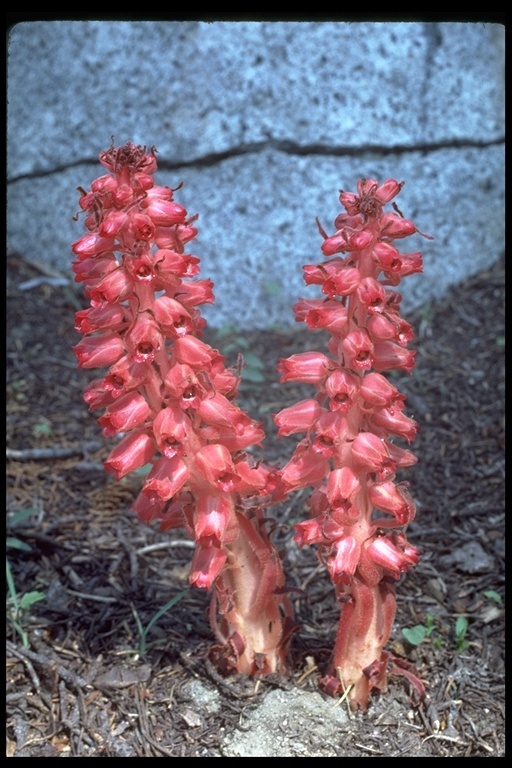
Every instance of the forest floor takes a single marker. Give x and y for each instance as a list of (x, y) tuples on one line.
[(85, 676)]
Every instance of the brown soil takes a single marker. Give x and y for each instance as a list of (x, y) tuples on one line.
[(80, 684)]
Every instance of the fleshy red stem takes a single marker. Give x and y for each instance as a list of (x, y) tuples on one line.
[(348, 455), (170, 398)]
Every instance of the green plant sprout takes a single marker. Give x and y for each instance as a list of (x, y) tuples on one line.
[(42, 428), (415, 635), (491, 594), (253, 364), (18, 606), (144, 631), (461, 628)]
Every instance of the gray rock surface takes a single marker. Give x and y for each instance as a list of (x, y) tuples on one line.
[(265, 122), (290, 724)]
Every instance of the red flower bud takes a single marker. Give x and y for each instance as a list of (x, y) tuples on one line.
[(309, 532), (358, 350), (128, 411), (207, 563), (134, 451), (144, 339), (212, 519), (170, 428), (92, 245), (304, 468), (167, 478), (371, 454), (393, 421), (371, 293), (342, 487), (396, 559), (389, 356), (342, 388), (298, 418), (394, 499), (96, 351), (215, 464), (310, 367), (343, 559), (172, 316)]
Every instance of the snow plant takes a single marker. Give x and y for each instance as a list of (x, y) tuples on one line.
[(170, 399), (171, 402), (358, 511)]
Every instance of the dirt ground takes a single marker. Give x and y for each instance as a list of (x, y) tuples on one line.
[(85, 678)]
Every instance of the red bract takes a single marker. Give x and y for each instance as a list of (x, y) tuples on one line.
[(348, 455), (173, 398)]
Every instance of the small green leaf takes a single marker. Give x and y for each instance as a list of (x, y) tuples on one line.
[(30, 598), (142, 471), (461, 627), (236, 345), (492, 595), (43, 428), (226, 330), (167, 607), (415, 635), (15, 543), (255, 376), (158, 615), (500, 341), (20, 516), (253, 361)]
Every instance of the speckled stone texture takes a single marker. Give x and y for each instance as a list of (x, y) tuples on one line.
[(265, 122)]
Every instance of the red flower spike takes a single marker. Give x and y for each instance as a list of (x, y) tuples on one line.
[(173, 397), (348, 456)]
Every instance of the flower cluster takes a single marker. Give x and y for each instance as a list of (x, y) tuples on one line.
[(170, 398), (348, 455), (171, 402)]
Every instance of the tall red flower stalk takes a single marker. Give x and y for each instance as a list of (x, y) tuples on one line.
[(170, 398), (358, 510)]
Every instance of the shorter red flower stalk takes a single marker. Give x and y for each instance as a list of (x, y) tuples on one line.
[(170, 398), (348, 455)]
